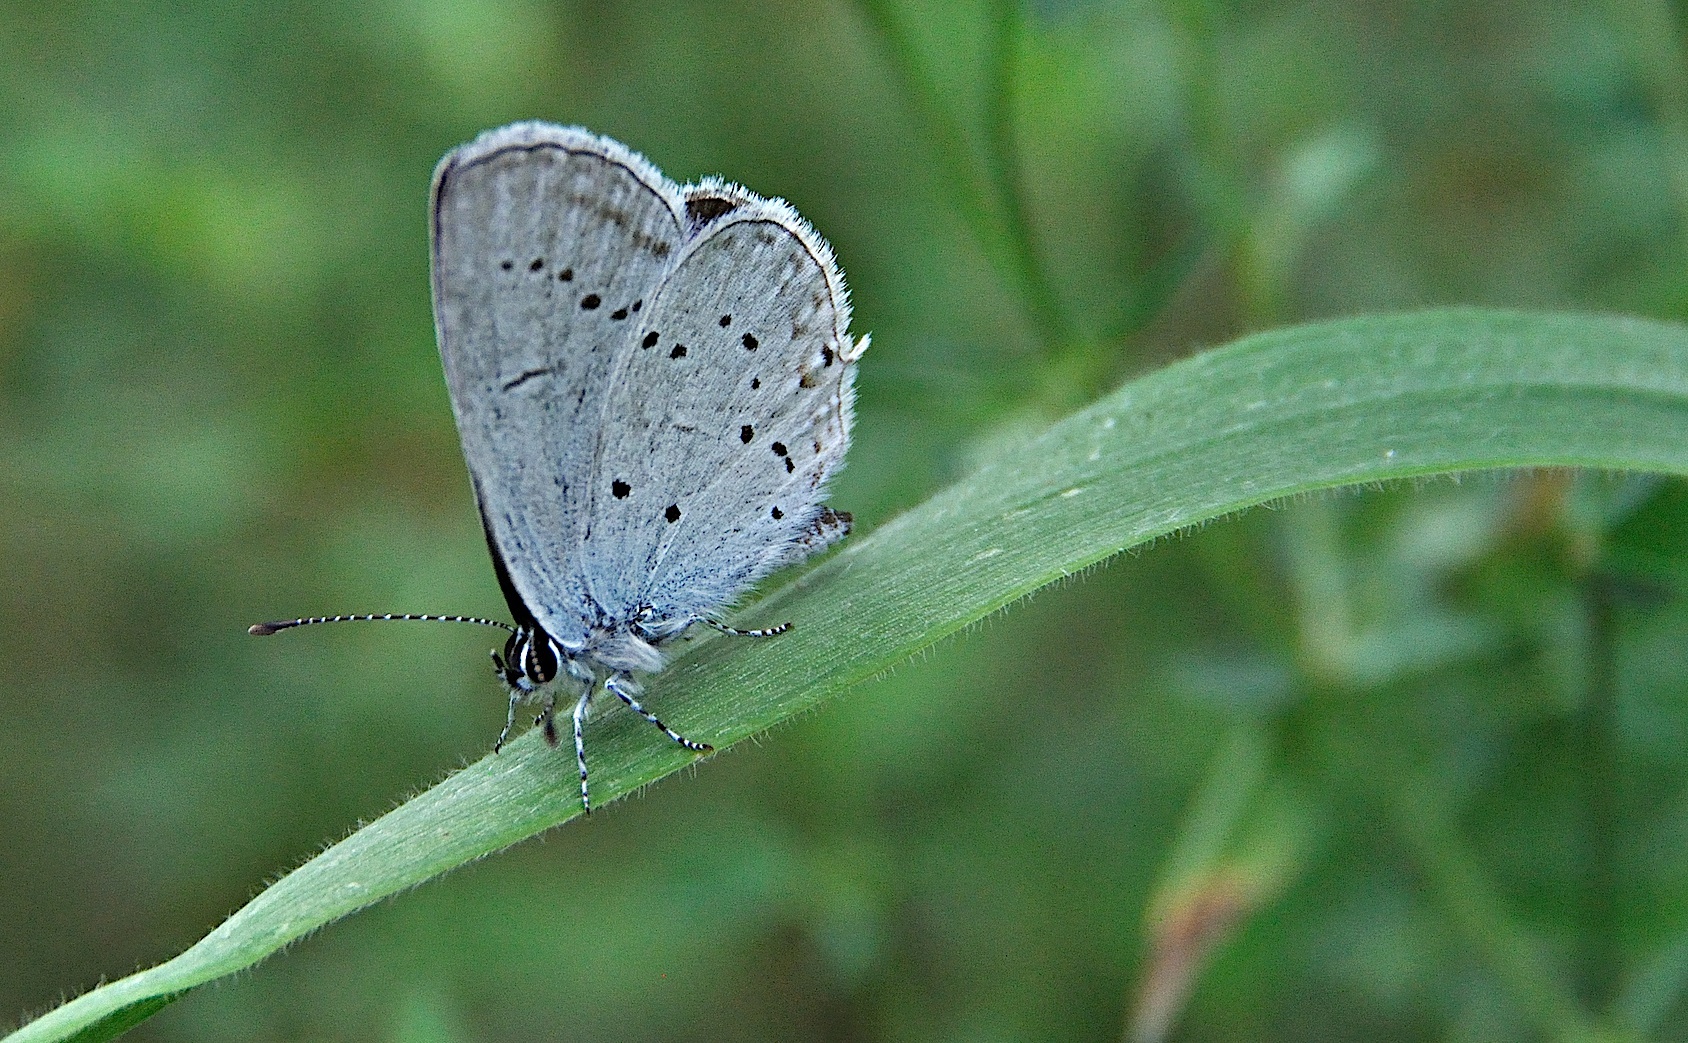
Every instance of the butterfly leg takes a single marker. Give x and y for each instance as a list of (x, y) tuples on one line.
[(725, 629), (579, 716), (547, 719), (516, 696), (622, 687)]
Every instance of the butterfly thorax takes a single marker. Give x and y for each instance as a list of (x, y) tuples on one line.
[(623, 646)]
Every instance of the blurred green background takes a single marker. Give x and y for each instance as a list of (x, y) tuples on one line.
[(1401, 764)]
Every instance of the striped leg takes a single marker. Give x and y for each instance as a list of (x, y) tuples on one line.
[(580, 744), (768, 632), (516, 695), (547, 719), (619, 685)]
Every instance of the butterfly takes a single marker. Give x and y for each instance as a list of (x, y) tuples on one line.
[(653, 384)]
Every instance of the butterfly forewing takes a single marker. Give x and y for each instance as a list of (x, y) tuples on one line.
[(548, 246), (728, 414)]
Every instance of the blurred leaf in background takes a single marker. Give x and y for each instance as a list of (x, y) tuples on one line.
[(1400, 757)]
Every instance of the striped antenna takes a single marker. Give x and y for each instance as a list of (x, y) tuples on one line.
[(266, 629)]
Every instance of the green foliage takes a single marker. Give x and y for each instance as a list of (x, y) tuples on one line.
[(1402, 762), (1278, 414)]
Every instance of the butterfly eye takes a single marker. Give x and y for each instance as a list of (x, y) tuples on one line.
[(539, 659)]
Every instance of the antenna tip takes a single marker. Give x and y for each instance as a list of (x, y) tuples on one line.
[(265, 629)]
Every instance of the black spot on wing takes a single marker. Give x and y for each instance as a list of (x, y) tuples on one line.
[(620, 489), (700, 210), (650, 339), (511, 385), (591, 301)]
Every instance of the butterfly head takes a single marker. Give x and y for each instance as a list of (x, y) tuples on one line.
[(531, 658)]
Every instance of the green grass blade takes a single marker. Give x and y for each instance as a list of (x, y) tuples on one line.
[(1362, 400)]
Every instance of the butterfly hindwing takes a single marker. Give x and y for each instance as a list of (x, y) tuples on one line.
[(730, 411)]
